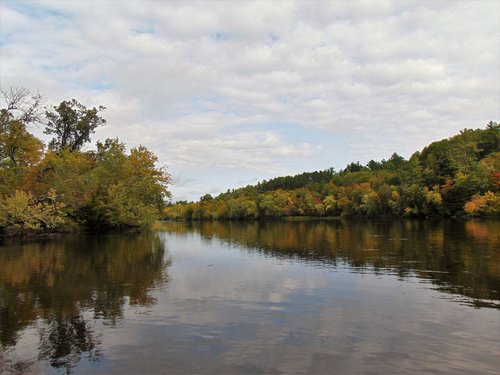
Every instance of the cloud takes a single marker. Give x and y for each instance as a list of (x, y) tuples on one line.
[(237, 91)]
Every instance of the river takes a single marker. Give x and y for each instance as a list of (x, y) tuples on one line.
[(255, 297)]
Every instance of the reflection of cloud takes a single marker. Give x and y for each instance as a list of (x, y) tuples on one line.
[(231, 308), (187, 80), (239, 310)]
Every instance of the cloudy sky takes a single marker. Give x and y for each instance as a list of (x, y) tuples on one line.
[(230, 93)]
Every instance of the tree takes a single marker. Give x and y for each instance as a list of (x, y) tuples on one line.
[(72, 124), (17, 145), (353, 167), (18, 148), (102, 188), (70, 174), (206, 198), (395, 162), (374, 165), (22, 106), (130, 189), (21, 213), (150, 182), (486, 204)]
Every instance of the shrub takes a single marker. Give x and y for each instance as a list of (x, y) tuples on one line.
[(21, 213)]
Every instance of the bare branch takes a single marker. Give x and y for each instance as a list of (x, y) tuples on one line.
[(21, 105)]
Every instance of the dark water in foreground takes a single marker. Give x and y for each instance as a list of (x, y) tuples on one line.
[(273, 297)]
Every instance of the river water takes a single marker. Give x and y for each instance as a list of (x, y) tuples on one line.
[(255, 297)]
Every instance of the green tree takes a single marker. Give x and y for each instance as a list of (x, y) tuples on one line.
[(273, 204), (72, 123), (130, 189), (206, 197)]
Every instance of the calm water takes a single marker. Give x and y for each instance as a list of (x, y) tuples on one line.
[(301, 297)]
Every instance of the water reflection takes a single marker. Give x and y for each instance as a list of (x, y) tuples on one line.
[(308, 297), (459, 257), (65, 287)]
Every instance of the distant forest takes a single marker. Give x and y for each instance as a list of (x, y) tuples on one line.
[(457, 176)]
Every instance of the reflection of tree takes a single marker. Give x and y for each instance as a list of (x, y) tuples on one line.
[(65, 284), (459, 257), (64, 339)]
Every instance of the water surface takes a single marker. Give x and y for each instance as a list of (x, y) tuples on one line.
[(250, 297)]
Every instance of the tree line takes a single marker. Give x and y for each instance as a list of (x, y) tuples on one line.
[(452, 177), (61, 186)]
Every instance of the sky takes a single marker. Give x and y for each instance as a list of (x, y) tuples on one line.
[(228, 93)]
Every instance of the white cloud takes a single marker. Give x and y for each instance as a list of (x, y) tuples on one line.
[(220, 84)]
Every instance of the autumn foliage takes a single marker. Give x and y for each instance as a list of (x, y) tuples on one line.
[(451, 177), (49, 189)]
